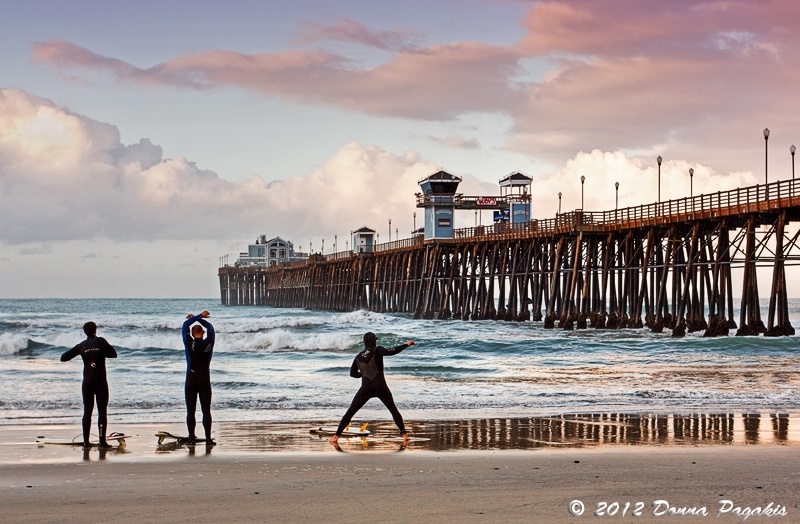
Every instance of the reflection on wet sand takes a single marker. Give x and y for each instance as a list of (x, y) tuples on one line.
[(561, 431)]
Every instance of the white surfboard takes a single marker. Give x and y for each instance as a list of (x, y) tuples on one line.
[(180, 439), (118, 437), (331, 430)]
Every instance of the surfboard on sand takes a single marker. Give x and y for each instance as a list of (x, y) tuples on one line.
[(331, 430), (77, 441), (180, 439)]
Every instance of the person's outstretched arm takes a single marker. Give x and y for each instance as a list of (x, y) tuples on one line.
[(397, 349)]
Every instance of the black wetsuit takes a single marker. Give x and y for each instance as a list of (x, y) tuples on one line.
[(94, 351), (198, 374), (368, 366)]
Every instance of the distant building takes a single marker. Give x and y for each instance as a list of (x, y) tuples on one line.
[(364, 240), (269, 253)]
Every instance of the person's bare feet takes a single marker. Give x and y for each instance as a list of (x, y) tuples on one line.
[(334, 441), (405, 438)]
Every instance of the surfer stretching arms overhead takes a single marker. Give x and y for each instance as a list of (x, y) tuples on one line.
[(199, 351), (368, 366), (94, 351)]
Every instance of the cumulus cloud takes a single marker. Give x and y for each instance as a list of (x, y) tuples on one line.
[(64, 176), (638, 182)]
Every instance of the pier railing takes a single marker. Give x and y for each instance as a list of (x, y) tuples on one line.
[(768, 197)]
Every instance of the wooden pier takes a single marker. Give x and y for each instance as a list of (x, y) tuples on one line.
[(667, 265)]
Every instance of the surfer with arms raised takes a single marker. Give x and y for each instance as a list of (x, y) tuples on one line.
[(199, 351)]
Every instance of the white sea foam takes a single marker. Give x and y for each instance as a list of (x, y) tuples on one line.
[(233, 325), (282, 340), (365, 317), (12, 343)]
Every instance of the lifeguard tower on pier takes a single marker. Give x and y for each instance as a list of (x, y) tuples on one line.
[(438, 198), (516, 190)]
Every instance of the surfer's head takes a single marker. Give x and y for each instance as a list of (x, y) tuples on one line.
[(197, 331), (90, 328), (370, 339)]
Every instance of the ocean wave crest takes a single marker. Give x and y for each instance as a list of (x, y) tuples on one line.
[(11, 343), (282, 340)]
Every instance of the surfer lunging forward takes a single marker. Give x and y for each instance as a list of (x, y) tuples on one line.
[(94, 351), (368, 366), (199, 351)]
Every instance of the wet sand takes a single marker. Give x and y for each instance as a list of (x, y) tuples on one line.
[(488, 470)]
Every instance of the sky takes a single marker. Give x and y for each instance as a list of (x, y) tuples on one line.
[(142, 142)]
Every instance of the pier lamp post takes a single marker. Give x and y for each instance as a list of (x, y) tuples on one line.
[(335, 241), (583, 179), (792, 149), (616, 198), (415, 221), (390, 230), (397, 233), (476, 218), (559, 202), (659, 178), (766, 155), (691, 178)]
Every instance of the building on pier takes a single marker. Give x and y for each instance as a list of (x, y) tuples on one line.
[(516, 189), (438, 198), (364, 240), (264, 253)]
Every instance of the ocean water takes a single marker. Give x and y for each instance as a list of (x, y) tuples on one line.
[(292, 365)]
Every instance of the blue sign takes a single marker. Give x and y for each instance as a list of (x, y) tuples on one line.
[(501, 216)]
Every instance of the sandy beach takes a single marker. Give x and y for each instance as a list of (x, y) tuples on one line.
[(247, 479)]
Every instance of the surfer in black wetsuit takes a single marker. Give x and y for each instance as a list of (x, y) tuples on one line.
[(199, 351), (94, 351), (368, 366)]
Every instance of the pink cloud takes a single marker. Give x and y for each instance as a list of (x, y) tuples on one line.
[(433, 83), (66, 54), (697, 77), (624, 28), (350, 31)]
